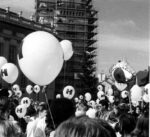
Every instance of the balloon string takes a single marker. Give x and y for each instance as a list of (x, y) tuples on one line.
[(43, 90), (64, 71)]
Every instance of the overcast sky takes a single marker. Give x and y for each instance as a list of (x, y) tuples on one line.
[(123, 30)]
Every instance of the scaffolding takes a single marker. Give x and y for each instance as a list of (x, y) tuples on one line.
[(73, 20)]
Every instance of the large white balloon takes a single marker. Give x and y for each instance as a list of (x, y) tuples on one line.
[(88, 96), (41, 57), (3, 61), (69, 92), (136, 93), (9, 72), (67, 49)]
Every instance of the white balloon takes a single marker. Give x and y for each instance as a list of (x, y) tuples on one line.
[(58, 96), (101, 95), (91, 113), (120, 86), (67, 49), (3, 61), (25, 101), (124, 94), (100, 87), (69, 92), (18, 93), (20, 111), (146, 98), (88, 96), (110, 91), (97, 101), (15, 87), (111, 99), (36, 88), (136, 93), (10, 93), (81, 97), (9, 72), (29, 89), (42, 57), (76, 100)]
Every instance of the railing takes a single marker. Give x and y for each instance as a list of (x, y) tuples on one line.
[(11, 17)]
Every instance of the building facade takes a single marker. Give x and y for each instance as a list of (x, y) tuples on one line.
[(13, 28), (74, 20)]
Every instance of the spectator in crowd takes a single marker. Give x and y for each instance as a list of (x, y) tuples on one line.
[(126, 124), (84, 127), (142, 127)]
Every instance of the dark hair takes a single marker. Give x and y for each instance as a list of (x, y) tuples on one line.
[(104, 103), (142, 127), (82, 127), (42, 106), (4, 106), (7, 129), (61, 110), (126, 123)]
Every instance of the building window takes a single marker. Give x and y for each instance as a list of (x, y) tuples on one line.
[(12, 54)]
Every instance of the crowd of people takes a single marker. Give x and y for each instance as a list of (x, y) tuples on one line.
[(63, 117)]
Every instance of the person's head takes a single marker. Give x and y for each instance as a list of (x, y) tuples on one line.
[(7, 129), (104, 104), (61, 110), (142, 127), (126, 123), (42, 109), (4, 107), (83, 127), (81, 109)]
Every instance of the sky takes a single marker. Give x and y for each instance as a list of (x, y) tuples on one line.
[(123, 30)]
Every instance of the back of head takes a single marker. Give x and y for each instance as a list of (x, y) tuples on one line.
[(82, 127), (61, 110), (126, 123), (4, 103), (142, 127)]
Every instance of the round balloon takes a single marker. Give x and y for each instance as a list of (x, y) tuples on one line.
[(67, 49), (100, 87), (136, 93), (111, 99), (3, 61), (9, 72), (15, 87), (18, 93), (101, 95), (69, 92), (41, 57), (76, 100), (20, 111), (29, 89), (25, 101), (110, 91), (124, 94), (81, 97), (36, 88), (88, 96)]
